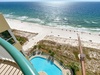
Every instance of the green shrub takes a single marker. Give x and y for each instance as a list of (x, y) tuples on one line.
[(21, 39)]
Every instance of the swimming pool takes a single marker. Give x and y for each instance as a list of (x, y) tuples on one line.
[(42, 64)]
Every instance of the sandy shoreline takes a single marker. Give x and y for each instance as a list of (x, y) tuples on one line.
[(44, 31)]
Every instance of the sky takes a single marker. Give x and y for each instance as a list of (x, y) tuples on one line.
[(49, 0)]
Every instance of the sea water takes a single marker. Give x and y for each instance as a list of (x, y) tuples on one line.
[(82, 16)]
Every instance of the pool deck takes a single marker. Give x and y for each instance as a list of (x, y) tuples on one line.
[(42, 73), (64, 71)]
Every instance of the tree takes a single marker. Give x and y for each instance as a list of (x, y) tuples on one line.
[(74, 67), (61, 62), (52, 54), (50, 51), (39, 46), (35, 46)]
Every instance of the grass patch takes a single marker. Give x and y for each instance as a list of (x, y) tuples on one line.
[(21, 39)]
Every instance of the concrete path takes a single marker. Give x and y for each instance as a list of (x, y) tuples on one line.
[(33, 41)]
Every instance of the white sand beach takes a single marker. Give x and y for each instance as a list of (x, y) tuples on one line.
[(43, 31)]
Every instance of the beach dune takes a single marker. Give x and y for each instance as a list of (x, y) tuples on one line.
[(43, 31)]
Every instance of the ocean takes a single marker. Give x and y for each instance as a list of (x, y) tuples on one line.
[(81, 16)]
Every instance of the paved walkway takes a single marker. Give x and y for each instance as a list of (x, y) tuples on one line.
[(42, 73), (33, 41)]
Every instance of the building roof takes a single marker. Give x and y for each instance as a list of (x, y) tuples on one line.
[(3, 24)]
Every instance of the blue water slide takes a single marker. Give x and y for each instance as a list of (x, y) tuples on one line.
[(22, 62)]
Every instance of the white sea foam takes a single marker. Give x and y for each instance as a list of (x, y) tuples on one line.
[(86, 21), (94, 22), (65, 19), (9, 15), (57, 19), (89, 22), (54, 24), (22, 18), (35, 20), (95, 29), (78, 28), (15, 17), (25, 18)]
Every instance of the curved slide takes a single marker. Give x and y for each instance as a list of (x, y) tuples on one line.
[(22, 62)]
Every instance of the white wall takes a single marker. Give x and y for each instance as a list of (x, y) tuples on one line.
[(4, 53)]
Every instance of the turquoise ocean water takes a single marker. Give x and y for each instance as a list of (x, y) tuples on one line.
[(83, 16)]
